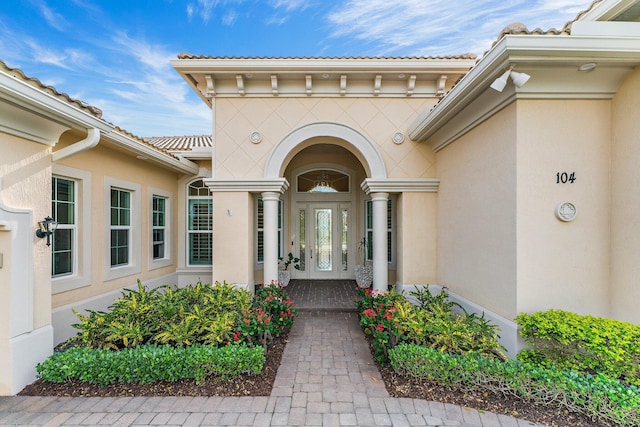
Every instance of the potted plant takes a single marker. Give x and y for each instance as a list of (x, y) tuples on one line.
[(364, 270), (284, 274)]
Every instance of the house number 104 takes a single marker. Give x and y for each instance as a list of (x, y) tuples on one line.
[(564, 177)]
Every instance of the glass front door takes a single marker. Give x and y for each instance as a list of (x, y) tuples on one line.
[(323, 240)]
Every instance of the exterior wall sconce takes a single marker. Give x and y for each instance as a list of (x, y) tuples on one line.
[(519, 79), (46, 229)]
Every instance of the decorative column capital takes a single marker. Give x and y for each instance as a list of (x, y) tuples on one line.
[(259, 185)]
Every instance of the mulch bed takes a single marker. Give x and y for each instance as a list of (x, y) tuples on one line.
[(399, 386), (247, 385), (261, 385)]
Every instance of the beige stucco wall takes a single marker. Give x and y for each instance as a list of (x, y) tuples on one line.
[(417, 238), (25, 173), (26, 184), (563, 264), (274, 118), (233, 242), (625, 201), (477, 214), (101, 162)]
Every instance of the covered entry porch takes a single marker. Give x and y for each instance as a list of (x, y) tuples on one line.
[(257, 221)]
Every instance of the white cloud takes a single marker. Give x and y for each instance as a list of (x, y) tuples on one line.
[(53, 18), (442, 26), (48, 56), (290, 5), (229, 18)]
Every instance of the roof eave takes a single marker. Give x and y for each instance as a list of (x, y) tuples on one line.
[(514, 49), (166, 160)]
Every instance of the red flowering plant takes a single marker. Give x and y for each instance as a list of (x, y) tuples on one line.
[(271, 314), (377, 311)]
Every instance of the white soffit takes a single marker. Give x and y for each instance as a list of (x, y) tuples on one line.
[(552, 62)]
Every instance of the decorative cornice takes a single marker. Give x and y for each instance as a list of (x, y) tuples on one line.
[(400, 185), (278, 185), (323, 77)]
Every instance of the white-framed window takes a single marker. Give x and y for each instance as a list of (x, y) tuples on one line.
[(122, 228), (160, 234), (390, 229), (71, 242), (199, 224), (260, 230), (64, 212)]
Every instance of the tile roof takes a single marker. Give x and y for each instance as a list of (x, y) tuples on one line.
[(180, 143), (19, 74), (520, 28), (185, 55), (94, 111)]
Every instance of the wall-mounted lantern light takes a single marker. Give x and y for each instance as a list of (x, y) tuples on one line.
[(47, 228)]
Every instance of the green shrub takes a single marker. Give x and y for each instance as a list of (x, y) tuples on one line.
[(582, 343), (391, 319), (602, 399), (166, 315), (274, 301), (272, 313), (149, 363)]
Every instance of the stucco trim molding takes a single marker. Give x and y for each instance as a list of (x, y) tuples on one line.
[(401, 185), (364, 149), (278, 185)]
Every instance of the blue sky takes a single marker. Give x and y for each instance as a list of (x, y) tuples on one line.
[(114, 54)]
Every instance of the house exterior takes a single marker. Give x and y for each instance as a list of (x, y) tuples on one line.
[(519, 200)]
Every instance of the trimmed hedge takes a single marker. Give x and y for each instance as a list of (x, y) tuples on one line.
[(583, 343), (149, 363), (602, 399)]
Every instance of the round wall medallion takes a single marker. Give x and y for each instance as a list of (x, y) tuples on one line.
[(566, 211), (255, 137), (398, 138)]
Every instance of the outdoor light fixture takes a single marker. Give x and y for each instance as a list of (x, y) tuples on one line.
[(519, 79), (47, 227)]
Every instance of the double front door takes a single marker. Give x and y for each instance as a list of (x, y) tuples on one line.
[(322, 236)]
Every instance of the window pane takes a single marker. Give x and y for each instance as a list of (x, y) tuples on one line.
[(200, 248), (62, 242), (62, 255), (119, 247), (260, 246), (124, 199), (198, 188), (63, 211), (158, 211), (62, 264), (303, 243), (345, 240), (200, 214)]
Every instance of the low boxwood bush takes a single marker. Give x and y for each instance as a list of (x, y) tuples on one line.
[(150, 363), (603, 399), (582, 343)]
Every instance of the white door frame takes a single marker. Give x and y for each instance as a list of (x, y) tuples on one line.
[(310, 201), (338, 270)]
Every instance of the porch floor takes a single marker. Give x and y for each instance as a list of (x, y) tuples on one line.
[(325, 295)]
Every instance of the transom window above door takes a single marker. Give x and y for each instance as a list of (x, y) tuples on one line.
[(323, 181)]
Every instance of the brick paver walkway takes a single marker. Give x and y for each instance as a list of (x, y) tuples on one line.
[(327, 378)]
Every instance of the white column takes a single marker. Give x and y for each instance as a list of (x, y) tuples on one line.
[(270, 209), (380, 264)]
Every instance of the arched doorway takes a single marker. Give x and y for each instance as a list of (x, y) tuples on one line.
[(324, 210)]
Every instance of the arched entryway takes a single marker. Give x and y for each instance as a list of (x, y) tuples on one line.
[(322, 226)]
